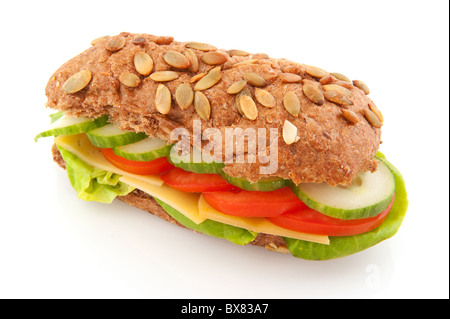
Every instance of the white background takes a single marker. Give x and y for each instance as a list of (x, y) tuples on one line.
[(53, 245)]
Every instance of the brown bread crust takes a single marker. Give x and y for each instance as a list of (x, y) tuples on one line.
[(329, 148)]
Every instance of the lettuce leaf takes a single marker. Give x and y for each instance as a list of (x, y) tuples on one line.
[(347, 245), (239, 236), (90, 183)]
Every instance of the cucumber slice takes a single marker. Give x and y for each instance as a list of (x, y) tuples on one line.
[(187, 163), (110, 136), (367, 196), (145, 150), (265, 184), (73, 125)]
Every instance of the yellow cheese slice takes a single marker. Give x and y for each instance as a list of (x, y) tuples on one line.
[(185, 203), (81, 146), (256, 224)]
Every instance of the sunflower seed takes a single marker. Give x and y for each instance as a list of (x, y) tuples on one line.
[(176, 59), (163, 99), (244, 91), (361, 85), (139, 41), (201, 46), (255, 79), (143, 63), (237, 53), (197, 77), (192, 57), (184, 95), (211, 79), (248, 107), (164, 76), (372, 118), (214, 58), (289, 133), (164, 40), (350, 116), (291, 103), (129, 79), (377, 112), (99, 39), (337, 97), (337, 88), (77, 82), (202, 106), (341, 77), (290, 78), (313, 92), (316, 72), (236, 87), (245, 62), (115, 44), (265, 98)]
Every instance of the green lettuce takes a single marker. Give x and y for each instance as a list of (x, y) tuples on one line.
[(239, 236), (347, 245), (90, 183)]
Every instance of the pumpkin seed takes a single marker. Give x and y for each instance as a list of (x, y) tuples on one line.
[(192, 57), (164, 40), (313, 92), (176, 59), (184, 95), (214, 58), (265, 98), (292, 103), (245, 91), (316, 72), (236, 87), (237, 53), (115, 44), (164, 76), (77, 82), (260, 56), (99, 39), (211, 79), (129, 79), (361, 85), (201, 46), (350, 116), (248, 107), (372, 118), (139, 41), (337, 97), (202, 106), (327, 79), (197, 77), (341, 77), (377, 112), (347, 85), (338, 88), (290, 78), (255, 79), (143, 63), (163, 99), (245, 62), (289, 133)]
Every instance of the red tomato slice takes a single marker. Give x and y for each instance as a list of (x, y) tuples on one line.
[(156, 166), (195, 183), (255, 204), (310, 221)]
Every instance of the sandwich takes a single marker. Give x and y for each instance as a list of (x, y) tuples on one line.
[(230, 144)]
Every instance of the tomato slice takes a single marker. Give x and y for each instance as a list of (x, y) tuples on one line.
[(156, 166), (255, 204), (310, 221), (195, 183)]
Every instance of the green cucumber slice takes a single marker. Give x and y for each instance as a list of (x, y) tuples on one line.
[(66, 125), (367, 196), (187, 162), (145, 150), (110, 136), (265, 184)]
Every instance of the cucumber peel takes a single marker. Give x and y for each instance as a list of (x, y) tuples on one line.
[(110, 136), (144, 150), (265, 184)]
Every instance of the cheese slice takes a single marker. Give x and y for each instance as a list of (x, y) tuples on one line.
[(81, 146), (256, 224)]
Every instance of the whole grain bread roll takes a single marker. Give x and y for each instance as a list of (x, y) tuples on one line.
[(153, 84)]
